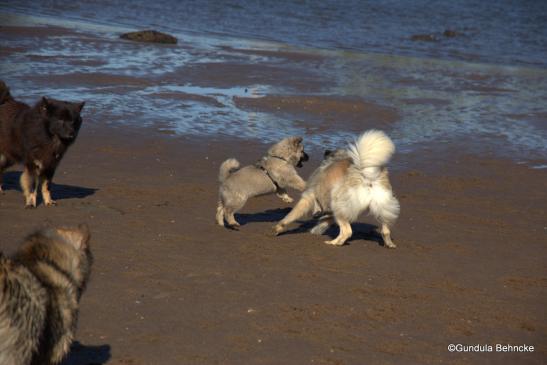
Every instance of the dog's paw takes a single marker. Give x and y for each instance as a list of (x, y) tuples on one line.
[(276, 230), (335, 242), (30, 201), (390, 245), (50, 203), (287, 199), (233, 227)]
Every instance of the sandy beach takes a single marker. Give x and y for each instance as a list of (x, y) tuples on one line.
[(171, 287)]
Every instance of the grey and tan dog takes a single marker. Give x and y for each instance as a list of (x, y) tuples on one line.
[(350, 182), (274, 173), (40, 290)]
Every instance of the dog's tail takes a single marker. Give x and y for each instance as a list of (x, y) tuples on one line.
[(371, 152), (5, 95), (228, 167)]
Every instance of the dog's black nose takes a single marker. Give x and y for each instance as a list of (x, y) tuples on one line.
[(306, 157)]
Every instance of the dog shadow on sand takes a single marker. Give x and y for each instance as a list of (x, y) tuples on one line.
[(58, 191), (361, 232), (270, 215), (87, 355)]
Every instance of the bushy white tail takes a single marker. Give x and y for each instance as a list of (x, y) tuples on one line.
[(372, 150), (227, 167)]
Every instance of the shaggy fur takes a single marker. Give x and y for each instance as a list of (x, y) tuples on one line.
[(38, 138), (347, 183), (274, 173), (40, 290)]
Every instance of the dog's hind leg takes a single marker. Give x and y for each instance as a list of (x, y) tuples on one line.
[(386, 236), (220, 213), (324, 223), (386, 214), (304, 205), (29, 184), (231, 205), (345, 232), (230, 218)]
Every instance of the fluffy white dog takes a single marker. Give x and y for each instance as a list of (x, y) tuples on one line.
[(348, 183)]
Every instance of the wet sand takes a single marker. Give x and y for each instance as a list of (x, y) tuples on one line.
[(171, 287)]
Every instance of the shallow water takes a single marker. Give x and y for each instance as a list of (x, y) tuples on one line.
[(503, 31), (493, 102)]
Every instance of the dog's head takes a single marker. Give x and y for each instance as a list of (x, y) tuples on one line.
[(291, 150), (67, 248), (62, 118), (336, 154)]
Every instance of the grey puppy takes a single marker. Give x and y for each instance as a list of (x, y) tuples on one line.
[(40, 288), (274, 173)]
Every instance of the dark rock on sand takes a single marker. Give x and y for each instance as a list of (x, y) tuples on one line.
[(424, 37), (150, 36), (450, 33)]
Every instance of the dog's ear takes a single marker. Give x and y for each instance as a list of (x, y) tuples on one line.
[(80, 106), (45, 105), (297, 140), (86, 234), (4, 92), (77, 237)]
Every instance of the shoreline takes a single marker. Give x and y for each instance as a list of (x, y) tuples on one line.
[(252, 91)]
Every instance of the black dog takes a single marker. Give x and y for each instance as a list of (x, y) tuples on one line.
[(37, 137)]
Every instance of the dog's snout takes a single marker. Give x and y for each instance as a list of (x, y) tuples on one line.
[(305, 157)]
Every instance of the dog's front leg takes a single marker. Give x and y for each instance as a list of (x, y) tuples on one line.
[(282, 193), (3, 163), (298, 183), (29, 185), (46, 177), (293, 180), (46, 194)]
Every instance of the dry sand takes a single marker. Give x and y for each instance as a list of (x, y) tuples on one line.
[(169, 286)]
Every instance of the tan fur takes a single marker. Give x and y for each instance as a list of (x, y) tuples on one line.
[(332, 175), (29, 186), (46, 194)]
